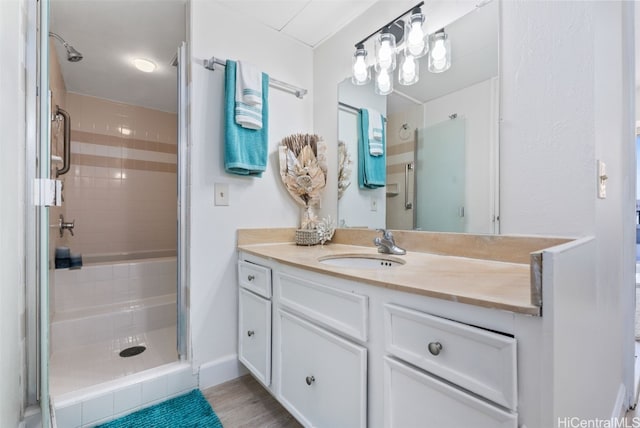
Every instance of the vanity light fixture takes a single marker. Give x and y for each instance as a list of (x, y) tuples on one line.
[(145, 65), (408, 38)]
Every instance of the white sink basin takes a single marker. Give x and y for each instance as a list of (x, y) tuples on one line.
[(362, 261)]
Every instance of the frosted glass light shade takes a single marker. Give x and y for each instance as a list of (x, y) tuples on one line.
[(386, 50), (360, 70), (384, 82), (408, 72), (439, 52)]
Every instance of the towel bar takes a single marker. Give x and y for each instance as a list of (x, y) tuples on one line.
[(211, 63)]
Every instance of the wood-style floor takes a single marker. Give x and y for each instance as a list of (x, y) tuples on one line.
[(243, 402)]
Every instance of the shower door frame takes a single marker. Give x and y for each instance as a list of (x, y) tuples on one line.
[(183, 342)]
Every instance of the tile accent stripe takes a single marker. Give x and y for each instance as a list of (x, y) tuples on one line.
[(396, 168), (397, 149), (120, 152), (109, 162), (131, 143)]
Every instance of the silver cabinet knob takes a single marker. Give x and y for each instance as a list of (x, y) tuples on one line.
[(310, 380), (251, 277), (250, 333), (435, 348)]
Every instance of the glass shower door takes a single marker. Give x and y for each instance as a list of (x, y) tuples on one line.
[(440, 177)]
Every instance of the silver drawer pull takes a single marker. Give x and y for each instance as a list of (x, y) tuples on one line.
[(310, 380), (251, 277), (251, 333), (435, 348)]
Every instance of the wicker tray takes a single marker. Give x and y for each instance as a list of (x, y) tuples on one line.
[(307, 237)]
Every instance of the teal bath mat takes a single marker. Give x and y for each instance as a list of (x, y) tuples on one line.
[(191, 410)]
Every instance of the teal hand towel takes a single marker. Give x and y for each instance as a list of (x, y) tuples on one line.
[(245, 150), (372, 170)]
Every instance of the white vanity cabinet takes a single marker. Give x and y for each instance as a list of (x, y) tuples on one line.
[(254, 320), (343, 353)]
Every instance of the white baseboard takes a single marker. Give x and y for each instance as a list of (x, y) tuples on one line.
[(619, 408), (221, 370)]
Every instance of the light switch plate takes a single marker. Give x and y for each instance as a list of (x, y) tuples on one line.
[(602, 180), (222, 194), (374, 204)]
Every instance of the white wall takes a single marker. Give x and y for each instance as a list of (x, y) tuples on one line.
[(254, 202), (564, 105), (355, 206), (13, 20), (476, 104)]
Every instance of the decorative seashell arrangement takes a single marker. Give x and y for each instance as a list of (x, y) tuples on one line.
[(344, 168), (303, 169)]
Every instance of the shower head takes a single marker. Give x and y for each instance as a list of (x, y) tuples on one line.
[(72, 54)]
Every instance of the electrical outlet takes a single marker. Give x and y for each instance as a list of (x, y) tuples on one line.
[(374, 204), (222, 194)]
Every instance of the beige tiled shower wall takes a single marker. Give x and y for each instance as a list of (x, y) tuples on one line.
[(122, 187), (401, 151)]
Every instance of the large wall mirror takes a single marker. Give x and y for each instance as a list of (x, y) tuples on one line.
[(442, 140)]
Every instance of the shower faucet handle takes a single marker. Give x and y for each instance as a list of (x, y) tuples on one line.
[(66, 225)]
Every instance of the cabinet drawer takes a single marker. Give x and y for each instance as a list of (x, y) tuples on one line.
[(323, 378), (255, 278), (413, 398), (340, 310), (254, 339), (475, 359)]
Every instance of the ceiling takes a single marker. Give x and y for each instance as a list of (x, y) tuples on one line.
[(111, 33), (308, 21)]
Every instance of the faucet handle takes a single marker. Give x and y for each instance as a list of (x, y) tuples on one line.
[(386, 234)]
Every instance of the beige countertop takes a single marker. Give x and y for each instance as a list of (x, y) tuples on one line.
[(481, 282)]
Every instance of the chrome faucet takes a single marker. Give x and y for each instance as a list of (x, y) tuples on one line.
[(386, 244)]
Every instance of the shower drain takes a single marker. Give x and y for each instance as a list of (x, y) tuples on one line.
[(134, 350)]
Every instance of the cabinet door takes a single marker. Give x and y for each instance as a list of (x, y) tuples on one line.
[(413, 398), (254, 341), (323, 378)]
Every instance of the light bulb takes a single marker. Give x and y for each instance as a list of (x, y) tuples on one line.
[(384, 55), (409, 69), (383, 81), (360, 69), (439, 52), (415, 40)]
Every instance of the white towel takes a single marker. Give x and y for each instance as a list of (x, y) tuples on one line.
[(247, 116), (248, 84), (248, 105), (376, 145)]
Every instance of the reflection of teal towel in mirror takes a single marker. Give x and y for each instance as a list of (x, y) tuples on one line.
[(245, 150), (372, 170)]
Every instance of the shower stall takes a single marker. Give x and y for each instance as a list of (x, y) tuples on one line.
[(116, 149)]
